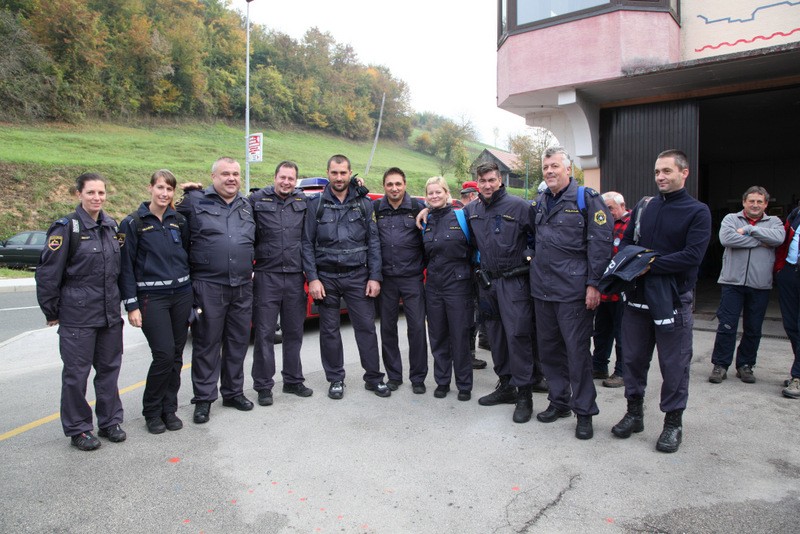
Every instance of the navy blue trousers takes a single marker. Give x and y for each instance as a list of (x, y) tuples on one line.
[(640, 337), (361, 309), (220, 338), (82, 349), (274, 294), (751, 304), (412, 293), (507, 309), (449, 318), (564, 332)]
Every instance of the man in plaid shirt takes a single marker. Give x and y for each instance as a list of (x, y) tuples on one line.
[(608, 318)]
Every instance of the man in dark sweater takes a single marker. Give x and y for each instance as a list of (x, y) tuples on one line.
[(678, 228)]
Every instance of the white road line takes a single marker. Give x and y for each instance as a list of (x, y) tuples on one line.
[(17, 309)]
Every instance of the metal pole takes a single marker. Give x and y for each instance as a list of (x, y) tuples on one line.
[(247, 108), (377, 133)]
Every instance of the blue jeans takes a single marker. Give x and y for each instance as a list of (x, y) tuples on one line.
[(752, 305), (788, 280)]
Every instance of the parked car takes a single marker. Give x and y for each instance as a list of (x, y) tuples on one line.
[(23, 249)]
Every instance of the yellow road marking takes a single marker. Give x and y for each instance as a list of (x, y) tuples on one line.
[(39, 422)]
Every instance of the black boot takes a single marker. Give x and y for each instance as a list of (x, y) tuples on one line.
[(584, 429), (633, 421), (524, 408), (504, 393), (670, 438)]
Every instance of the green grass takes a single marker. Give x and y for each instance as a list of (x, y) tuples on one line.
[(39, 162), (5, 272)]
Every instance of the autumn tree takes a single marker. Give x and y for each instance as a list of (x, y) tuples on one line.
[(529, 147)]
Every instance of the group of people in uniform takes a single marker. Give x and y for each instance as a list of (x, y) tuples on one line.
[(219, 260)]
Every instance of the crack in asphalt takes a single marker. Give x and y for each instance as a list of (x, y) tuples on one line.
[(542, 511)]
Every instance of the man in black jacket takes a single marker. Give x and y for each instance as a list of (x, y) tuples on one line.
[(678, 228), (342, 259)]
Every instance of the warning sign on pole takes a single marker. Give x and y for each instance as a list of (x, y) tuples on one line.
[(255, 148)]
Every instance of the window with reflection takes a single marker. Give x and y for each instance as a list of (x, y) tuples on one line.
[(535, 10), (515, 16)]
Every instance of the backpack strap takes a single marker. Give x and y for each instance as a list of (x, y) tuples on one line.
[(75, 233), (637, 227), (582, 199), (462, 222)]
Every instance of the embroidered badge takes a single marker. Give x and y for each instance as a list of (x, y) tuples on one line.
[(121, 238), (54, 242), (600, 218)]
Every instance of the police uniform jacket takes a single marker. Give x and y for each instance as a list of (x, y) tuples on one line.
[(500, 227), (221, 237), (572, 248), (401, 241), (80, 289), (343, 239), (678, 227), (279, 230), (447, 253), (748, 259), (157, 259)]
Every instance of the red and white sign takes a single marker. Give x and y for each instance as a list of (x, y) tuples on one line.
[(255, 148)]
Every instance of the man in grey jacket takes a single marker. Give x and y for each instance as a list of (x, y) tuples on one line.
[(749, 237)]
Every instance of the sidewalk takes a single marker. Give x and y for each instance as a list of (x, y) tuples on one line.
[(11, 285)]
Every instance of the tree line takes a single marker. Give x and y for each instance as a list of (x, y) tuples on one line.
[(67, 60)]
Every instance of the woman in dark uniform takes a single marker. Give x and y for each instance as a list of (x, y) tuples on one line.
[(76, 285), (157, 294), (448, 292)]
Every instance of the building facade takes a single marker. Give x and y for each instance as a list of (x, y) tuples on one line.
[(618, 81)]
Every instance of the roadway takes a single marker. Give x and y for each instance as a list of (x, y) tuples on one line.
[(409, 463)]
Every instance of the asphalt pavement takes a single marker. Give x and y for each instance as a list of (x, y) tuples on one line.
[(408, 463)]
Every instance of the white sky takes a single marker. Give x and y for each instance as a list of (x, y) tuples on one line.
[(445, 50)]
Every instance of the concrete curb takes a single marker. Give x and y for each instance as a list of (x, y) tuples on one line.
[(13, 285)]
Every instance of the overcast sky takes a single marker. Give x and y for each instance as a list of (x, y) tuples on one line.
[(445, 50)]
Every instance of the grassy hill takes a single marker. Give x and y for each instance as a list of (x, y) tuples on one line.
[(38, 163)]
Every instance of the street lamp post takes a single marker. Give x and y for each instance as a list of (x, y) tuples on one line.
[(247, 107)]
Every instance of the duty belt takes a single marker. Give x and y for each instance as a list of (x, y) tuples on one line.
[(341, 250), (511, 273), (338, 270)]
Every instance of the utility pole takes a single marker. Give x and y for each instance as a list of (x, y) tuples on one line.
[(247, 108)]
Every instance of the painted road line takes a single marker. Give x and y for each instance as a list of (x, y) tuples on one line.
[(39, 422)]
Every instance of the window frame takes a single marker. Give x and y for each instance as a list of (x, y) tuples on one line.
[(511, 27)]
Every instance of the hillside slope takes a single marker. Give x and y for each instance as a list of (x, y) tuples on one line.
[(38, 163)]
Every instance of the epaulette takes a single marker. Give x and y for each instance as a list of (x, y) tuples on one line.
[(63, 221), (591, 192)]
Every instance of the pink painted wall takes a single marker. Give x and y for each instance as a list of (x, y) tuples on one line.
[(593, 49)]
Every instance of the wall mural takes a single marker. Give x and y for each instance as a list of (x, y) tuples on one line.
[(715, 27)]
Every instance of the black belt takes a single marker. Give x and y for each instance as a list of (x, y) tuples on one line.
[(511, 273), (338, 270)]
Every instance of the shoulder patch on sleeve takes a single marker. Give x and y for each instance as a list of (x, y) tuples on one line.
[(600, 217), (54, 242)]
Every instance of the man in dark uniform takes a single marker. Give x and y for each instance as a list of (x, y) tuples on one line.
[(402, 267), (573, 248), (678, 228), (279, 283), (501, 225), (342, 258), (222, 233)]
